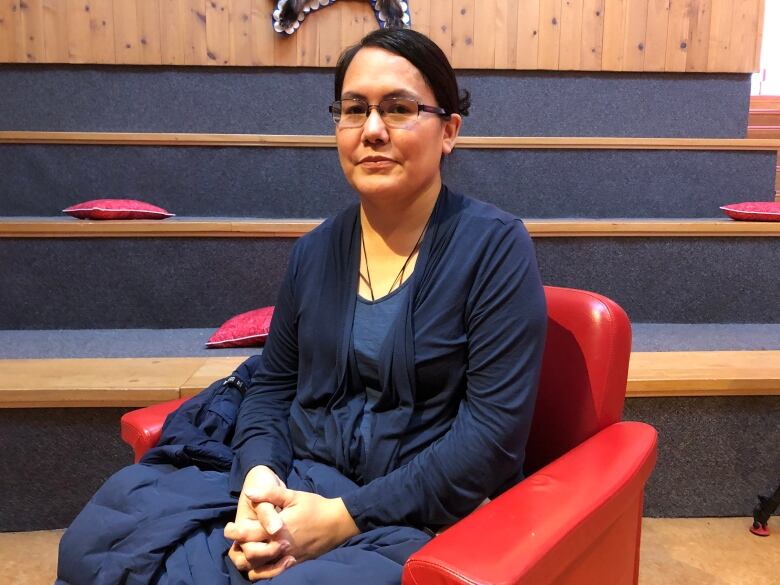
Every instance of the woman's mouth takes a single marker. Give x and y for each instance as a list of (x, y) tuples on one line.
[(376, 162)]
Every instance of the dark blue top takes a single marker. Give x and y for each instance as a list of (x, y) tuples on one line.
[(373, 320), (458, 369)]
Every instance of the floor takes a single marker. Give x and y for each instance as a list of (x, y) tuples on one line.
[(689, 551)]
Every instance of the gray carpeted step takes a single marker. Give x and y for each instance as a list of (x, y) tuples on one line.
[(165, 283), (136, 343), (42, 179)]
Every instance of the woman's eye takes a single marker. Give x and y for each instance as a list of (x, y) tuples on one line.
[(354, 109), (402, 108)]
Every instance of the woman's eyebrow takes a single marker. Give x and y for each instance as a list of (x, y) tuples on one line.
[(398, 93)]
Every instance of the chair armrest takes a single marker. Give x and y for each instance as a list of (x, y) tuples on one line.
[(533, 531), (141, 428)]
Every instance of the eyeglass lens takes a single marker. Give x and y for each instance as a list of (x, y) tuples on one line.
[(395, 112)]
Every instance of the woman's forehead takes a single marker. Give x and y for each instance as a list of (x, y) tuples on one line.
[(377, 72)]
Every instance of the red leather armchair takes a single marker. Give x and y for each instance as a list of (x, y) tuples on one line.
[(576, 518)]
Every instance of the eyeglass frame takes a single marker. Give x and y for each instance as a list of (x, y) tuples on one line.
[(420, 108)]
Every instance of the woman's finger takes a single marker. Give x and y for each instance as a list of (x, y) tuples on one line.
[(246, 531), (259, 554), (271, 570), (238, 558), (268, 517)]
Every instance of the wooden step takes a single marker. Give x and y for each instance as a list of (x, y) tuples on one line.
[(273, 228), (93, 382), (764, 133), (114, 382), (770, 102), (764, 117)]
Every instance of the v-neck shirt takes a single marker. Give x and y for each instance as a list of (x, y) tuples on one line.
[(371, 324)]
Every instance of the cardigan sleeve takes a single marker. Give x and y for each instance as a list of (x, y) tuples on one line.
[(483, 450), (262, 434)]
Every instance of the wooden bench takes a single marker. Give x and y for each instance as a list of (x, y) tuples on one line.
[(64, 227), (117, 382)]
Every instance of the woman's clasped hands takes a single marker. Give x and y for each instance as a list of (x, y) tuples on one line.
[(276, 527)]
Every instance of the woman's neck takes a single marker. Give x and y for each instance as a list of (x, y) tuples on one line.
[(398, 223)]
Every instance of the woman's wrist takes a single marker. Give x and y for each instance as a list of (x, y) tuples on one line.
[(343, 522)]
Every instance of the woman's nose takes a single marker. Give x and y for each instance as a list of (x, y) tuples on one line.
[(374, 128)]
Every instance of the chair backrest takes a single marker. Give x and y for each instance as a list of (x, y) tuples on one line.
[(584, 373)]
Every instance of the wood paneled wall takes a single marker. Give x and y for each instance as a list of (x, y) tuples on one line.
[(584, 35)]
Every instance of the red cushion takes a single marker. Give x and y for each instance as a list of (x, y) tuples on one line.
[(244, 330), (116, 209), (754, 210)]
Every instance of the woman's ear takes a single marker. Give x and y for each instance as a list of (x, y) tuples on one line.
[(451, 129)]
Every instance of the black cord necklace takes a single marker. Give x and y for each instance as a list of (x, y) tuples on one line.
[(400, 277)]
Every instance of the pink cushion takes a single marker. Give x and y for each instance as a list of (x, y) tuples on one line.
[(754, 210), (244, 330), (116, 209)]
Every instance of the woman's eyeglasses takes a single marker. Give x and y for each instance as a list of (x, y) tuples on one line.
[(395, 112)]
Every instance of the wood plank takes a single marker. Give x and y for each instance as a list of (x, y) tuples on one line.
[(485, 29), (528, 34), (720, 36), (55, 31), (507, 13), (240, 32), (636, 34), (352, 21), (329, 36), (195, 48), (291, 228), (678, 36), (217, 32), (79, 33), (31, 48), (612, 57), (420, 14), (549, 34), (262, 34), (463, 53), (93, 382), (441, 26), (591, 48), (286, 46), (759, 36), (704, 373), (699, 36), (173, 27), (308, 40), (212, 369), (126, 38), (655, 37), (370, 23), (9, 27), (744, 34), (328, 141), (101, 24), (149, 32), (570, 54)]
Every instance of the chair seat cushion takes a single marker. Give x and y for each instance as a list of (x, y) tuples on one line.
[(244, 330), (116, 209), (754, 210)]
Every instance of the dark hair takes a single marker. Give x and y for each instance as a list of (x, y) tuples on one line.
[(421, 52)]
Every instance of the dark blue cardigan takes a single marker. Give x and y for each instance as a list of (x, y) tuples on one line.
[(459, 369)]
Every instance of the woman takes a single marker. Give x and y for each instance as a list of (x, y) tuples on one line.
[(398, 382)]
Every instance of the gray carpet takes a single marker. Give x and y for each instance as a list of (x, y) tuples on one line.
[(116, 343)]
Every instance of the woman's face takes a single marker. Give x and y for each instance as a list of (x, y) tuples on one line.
[(381, 162)]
